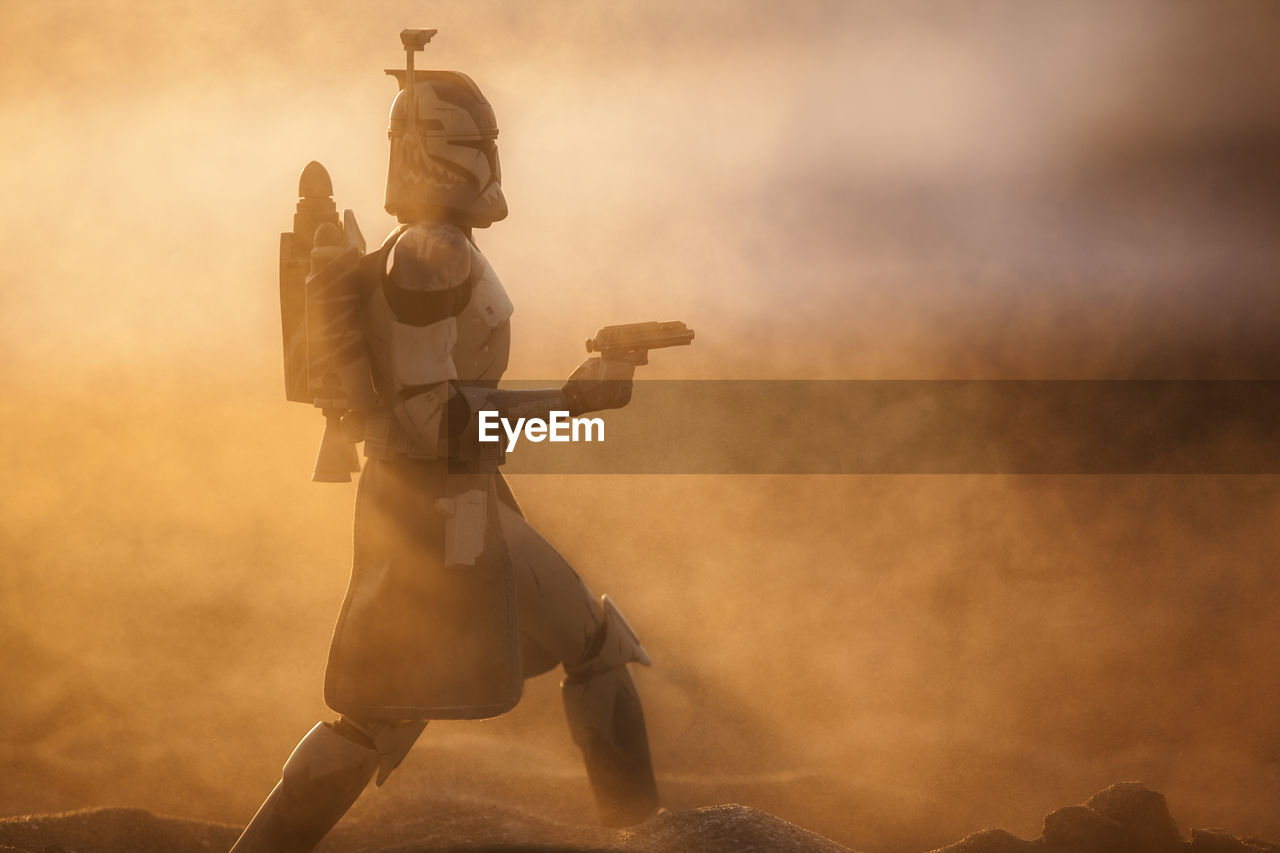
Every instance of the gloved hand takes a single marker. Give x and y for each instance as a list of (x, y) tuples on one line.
[(597, 384)]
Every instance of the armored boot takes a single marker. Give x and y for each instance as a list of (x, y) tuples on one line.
[(607, 723), (322, 778)]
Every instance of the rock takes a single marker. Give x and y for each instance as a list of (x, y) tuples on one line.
[(1143, 816), (990, 841), (1221, 841), (726, 829), (1077, 829)]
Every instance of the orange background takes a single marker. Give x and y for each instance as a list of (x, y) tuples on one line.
[(838, 190)]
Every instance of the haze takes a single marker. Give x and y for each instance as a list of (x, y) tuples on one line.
[(822, 190)]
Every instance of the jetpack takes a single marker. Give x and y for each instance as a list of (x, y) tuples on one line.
[(326, 362)]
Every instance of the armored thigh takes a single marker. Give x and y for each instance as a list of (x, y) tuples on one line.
[(558, 615)]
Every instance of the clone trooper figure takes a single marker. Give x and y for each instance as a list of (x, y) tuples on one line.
[(454, 598)]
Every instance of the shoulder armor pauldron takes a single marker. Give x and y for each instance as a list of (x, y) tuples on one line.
[(429, 274)]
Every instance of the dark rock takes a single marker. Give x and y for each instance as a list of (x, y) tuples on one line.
[(1143, 816), (990, 841), (1221, 841), (1077, 829), (726, 829)]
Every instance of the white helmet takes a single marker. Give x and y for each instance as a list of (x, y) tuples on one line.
[(446, 158)]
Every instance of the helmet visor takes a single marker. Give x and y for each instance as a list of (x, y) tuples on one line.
[(486, 145)]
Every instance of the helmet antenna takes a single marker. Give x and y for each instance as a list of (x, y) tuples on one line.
[(413, 41)]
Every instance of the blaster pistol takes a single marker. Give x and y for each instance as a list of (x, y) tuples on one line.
[(632, 341)]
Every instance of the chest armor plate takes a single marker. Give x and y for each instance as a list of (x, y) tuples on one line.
[(484, 328)]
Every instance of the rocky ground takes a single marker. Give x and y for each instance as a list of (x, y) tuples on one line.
[(1127, 817)]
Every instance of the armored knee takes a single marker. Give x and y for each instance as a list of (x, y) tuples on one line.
[(391, 742), (323, 756), (614, 645), (322, 778)]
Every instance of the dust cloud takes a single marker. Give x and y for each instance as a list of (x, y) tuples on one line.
[(991, 190)]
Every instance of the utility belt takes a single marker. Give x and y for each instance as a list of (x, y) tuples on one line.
[(384, 438)]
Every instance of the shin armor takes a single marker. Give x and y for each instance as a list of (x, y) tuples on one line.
[(322, 778), (607, 723)]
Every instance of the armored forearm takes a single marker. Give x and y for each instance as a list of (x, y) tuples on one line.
[(595, 385), (508, 403), (441, 420)]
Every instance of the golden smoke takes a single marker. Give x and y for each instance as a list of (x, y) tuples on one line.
[(848, 190)]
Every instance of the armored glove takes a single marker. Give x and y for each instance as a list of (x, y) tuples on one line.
[(597, 384)]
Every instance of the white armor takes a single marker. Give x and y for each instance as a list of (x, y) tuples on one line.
[(434, 517)]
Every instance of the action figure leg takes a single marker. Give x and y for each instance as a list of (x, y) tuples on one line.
[(322, 778), (561, 622)]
